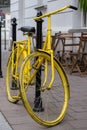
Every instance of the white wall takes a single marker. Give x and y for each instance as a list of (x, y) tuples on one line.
[(30, 12), (61, 21), (14, 8), (24, 11)]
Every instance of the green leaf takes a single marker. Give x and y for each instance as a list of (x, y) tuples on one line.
[(83, 5)]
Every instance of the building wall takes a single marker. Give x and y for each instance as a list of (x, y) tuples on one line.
[(14, 8), (26, 10)]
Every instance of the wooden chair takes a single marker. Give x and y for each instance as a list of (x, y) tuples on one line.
[(80, 57), (66, 41), (55, 40)]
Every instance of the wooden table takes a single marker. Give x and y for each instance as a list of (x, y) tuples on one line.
[(77, 30), (79, 60)]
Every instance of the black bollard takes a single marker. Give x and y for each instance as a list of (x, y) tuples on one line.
[(5, 35), (4, 22), (14, 25), (38, 101), (0, 54)]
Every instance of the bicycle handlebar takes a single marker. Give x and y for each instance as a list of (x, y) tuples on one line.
[(55, 12), (73, 7)]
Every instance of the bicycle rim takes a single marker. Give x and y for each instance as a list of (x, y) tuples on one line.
[(50, 107), (12, 81)]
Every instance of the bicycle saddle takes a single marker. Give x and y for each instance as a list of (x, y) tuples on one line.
[(28, 29)]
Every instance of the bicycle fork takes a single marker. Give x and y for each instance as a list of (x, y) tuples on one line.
[(46, 72)]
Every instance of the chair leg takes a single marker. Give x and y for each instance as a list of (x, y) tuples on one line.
[(74, 64)]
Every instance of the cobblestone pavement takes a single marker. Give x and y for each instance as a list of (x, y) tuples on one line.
[(15, 117)]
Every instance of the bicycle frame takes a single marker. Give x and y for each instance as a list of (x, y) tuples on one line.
[(46, 48), (21, 49), (48, 15), (47, 45)]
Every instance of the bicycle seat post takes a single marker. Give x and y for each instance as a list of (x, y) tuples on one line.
[(49, 32), (29, 48)]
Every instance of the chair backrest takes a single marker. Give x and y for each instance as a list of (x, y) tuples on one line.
[(83, 40), (55, 40), (84, 36)]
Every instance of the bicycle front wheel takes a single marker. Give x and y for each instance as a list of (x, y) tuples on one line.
[(46, 107)]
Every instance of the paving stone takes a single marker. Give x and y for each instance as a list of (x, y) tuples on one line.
[(38, 127), (79, 124), (3, 123)]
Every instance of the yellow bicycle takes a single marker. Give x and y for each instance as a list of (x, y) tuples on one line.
[(20, 50), (44, 88)]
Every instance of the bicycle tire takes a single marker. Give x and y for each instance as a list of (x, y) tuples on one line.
[(56, 107), (12, 84)]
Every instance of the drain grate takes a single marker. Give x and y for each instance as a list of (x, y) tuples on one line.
[(3, 123)]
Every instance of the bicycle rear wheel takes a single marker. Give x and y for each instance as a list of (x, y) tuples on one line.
[(46, 107), (12, 75)]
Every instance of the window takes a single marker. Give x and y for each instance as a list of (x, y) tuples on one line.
[(4, 3)]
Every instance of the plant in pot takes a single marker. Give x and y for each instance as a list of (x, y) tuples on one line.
[(83, 7)]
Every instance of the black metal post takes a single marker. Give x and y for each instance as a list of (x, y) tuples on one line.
[(5, 34), (0, 54), (38, 101), (14, 24)]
